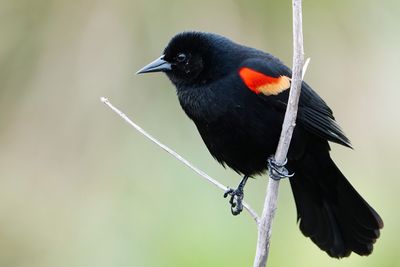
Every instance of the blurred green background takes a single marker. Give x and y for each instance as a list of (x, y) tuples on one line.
[(78, 187)]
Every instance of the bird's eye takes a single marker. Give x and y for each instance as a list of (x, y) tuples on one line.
[(181, 57)]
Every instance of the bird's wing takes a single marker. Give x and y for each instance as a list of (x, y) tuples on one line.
[(270, 79)]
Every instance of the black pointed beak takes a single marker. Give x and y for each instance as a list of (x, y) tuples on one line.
[(157, 65)]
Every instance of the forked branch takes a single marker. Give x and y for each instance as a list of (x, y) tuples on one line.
[(265, 222)]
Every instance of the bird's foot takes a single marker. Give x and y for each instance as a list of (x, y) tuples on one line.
[(236, 199), (278, 171)]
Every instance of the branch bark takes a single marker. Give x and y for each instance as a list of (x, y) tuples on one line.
[(252, 213), (270, 203)]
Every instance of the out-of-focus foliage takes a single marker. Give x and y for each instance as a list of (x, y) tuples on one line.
[(78, 187)]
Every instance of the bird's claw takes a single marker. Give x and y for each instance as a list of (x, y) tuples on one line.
[(235, 200), (278, 171)]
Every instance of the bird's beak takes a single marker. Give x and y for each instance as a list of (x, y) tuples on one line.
[(157, 65)]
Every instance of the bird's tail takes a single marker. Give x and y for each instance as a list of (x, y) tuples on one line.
[(330, 211)]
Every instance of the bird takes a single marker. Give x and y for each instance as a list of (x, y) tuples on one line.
[(237, 96)]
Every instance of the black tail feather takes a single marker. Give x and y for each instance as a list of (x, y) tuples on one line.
[(330, 211)]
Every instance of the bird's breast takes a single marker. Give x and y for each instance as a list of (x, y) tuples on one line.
[(237, 131), (203, 104)]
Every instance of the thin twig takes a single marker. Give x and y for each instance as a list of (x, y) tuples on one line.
[(252, 213), (270, 203)]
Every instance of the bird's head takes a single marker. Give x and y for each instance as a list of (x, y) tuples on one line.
[(194, 58)]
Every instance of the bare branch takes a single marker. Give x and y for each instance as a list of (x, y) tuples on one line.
[(270, 203), (252, 213)]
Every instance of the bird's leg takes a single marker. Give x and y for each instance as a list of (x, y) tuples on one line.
[(278, 171), (237, 196)]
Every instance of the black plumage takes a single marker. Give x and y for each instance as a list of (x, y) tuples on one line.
[(241, 129)]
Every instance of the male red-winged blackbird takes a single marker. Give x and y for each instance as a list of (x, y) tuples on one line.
[(237, 96)]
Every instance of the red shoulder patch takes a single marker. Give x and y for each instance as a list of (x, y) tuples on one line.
[(260, 83)]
